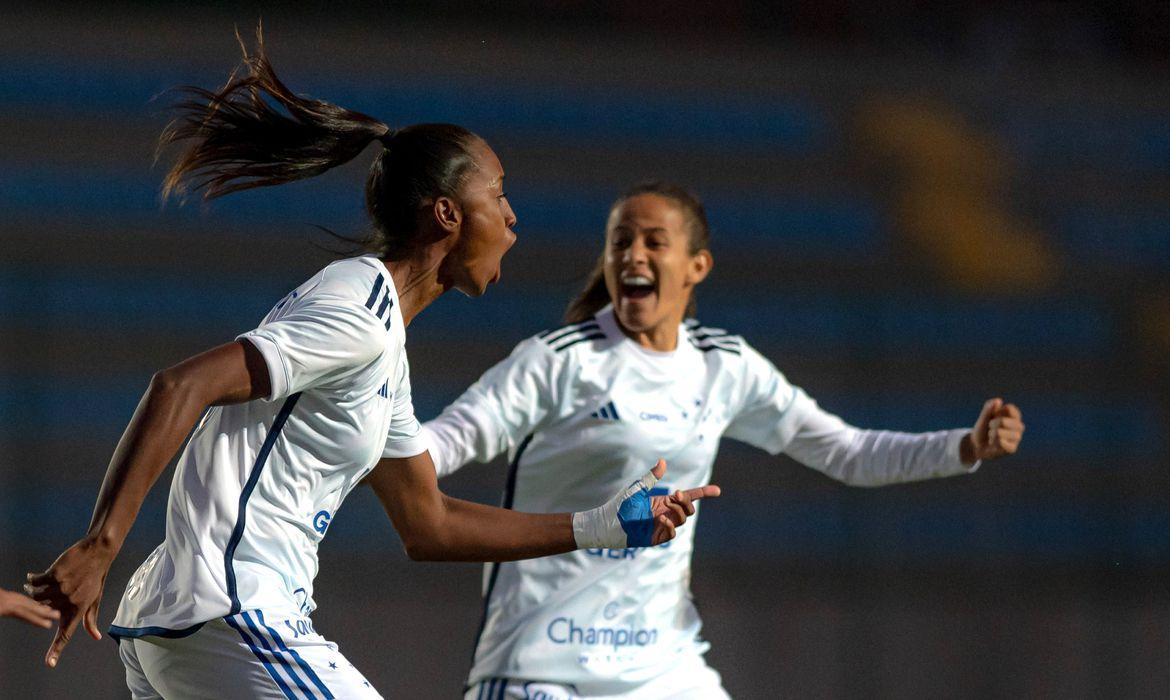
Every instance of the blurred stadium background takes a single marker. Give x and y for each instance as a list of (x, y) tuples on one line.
[(913, 210)]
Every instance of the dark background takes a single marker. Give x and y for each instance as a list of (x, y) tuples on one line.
[(913, 210)]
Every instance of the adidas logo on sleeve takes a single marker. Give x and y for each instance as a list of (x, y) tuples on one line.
[(606, 412)]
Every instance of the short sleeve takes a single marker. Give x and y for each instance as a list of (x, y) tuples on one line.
[(324, 337), (770, 411), (404, 438)]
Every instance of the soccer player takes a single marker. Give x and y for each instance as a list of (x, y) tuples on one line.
[(298, 411), (628, 377), (25, 608)]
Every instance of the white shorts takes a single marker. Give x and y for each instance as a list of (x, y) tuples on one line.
[(690, 681), (242, 656)]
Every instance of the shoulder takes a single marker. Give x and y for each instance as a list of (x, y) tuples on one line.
[(708, 339), (363, 280), (355, 293), (737, 360), (560, 339)]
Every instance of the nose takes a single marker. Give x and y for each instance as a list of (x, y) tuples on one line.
[(509, 215), (636, 252)]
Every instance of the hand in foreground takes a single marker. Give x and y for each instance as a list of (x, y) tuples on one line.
[(73, 587), (997, 432), (635, 519), (21, 607)]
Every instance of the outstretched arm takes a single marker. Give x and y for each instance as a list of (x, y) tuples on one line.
[(434, 526), (778, 417), (879, 457), (176, 397)]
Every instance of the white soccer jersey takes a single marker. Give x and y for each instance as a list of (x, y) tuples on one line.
[(583, 410), (258, 482)]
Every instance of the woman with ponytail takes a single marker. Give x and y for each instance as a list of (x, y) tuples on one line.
[(295, 413), (579, 408)]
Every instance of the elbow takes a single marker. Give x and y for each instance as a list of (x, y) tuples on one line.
[(170, 382), (418, 551), (424, 546)]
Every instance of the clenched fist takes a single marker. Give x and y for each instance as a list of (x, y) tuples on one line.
[(997, 432)]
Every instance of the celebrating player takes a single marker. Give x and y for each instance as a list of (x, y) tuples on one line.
[(300, 410), (629, 377)]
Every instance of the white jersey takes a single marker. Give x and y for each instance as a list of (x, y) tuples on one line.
[(583, 410), (258, 482)]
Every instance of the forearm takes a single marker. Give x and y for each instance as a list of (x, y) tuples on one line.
[(470, 531), (881, 457), (164, 417)]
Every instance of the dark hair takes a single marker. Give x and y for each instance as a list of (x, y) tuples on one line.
[(255, 132), (595, 295)]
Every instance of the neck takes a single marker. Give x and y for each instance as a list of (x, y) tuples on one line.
[(660, 338), (417, 282)]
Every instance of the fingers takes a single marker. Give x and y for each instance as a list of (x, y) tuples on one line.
[(650, 478), (38, 579), (49, 594), (990, 407), (1010, 410), (91, 621), (998, 430), (708, 491), (1002, 440), (664, 530), (677, 512), (65, 631), (1006, 422), (32, 612)]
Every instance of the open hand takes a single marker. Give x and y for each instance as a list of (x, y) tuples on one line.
[(997, 432), (73, 587), (25, 608)]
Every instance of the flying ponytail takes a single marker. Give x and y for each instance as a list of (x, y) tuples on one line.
[(240, 139), (256, 132)]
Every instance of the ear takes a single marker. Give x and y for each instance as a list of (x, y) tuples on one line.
[(700, 266), (447, 214)]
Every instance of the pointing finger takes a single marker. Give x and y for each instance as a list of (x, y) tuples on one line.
[(708, 491)]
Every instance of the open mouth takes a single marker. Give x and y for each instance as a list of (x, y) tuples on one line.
[(637, 286)]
